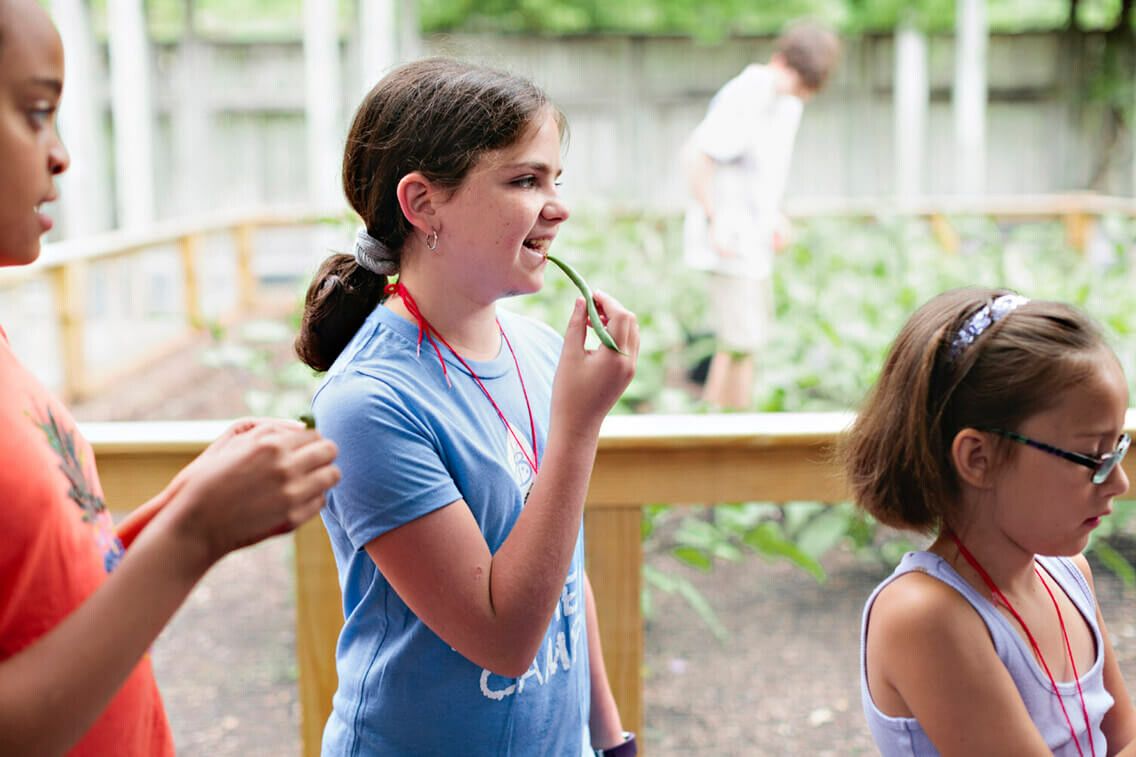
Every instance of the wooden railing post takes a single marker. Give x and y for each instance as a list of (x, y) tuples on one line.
[(246, 276), (319, 617), (68, 284), (1078, 229), (614, 559), (945, 233), (187, 247)]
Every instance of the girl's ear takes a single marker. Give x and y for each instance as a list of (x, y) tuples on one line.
[(419, 199), (973, 454)]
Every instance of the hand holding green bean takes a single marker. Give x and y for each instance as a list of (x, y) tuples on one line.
[(589, 300)]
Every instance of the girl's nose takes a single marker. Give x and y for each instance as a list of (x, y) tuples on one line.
[(556, 210), (58, 159), (1117, 482)]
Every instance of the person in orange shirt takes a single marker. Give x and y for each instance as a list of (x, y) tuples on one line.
[(81, 602)]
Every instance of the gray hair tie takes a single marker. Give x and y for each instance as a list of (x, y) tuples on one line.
[(375, 256)]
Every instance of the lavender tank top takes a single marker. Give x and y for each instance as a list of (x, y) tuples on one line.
[(903, 737)]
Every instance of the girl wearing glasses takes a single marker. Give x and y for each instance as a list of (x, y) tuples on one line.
[(997, 427)]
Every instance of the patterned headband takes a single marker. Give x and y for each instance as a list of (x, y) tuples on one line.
[(986, 317)]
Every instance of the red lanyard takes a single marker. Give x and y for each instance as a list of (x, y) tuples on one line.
[(430, 332), (1033, 642)]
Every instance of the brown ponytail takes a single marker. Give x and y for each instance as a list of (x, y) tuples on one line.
[(338, 301)]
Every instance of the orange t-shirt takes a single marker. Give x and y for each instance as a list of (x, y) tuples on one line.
[(57, 546)]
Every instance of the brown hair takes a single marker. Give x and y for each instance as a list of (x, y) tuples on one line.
[(810, 49), (897, 455), (438, 116)]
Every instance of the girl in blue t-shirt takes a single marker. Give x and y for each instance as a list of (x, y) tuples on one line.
[(467, 434), (997, 425)]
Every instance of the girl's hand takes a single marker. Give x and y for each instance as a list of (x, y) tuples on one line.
[(589, 382), (259, 479)]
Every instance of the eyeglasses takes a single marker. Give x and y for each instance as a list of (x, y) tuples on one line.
[(1101, 466)]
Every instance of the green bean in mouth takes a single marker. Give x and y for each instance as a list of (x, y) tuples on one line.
[(593, 314)]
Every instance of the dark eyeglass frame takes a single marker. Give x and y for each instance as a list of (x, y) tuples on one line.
[(1102, 466)]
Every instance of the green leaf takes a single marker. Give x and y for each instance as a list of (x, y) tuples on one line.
[(823, 532), (767, 539), (692, 556), (702, 608), (1115, 562)]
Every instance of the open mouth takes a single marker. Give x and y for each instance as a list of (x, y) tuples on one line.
[(539, 246)]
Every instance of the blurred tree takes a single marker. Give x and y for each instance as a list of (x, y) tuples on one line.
[(703, 19)]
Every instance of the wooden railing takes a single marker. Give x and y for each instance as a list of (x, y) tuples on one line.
[(66, 265), (642, 459), (1079, 212)]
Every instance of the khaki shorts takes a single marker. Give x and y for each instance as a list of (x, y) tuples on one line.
[(741, 312)]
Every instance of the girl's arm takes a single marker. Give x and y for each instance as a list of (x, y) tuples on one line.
[(1119, 725), (929, 656), (605, 725), (141, 516), (263, 483), (699, 169), (494, 608)]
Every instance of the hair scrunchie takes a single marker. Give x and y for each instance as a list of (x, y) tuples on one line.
[(375, 256)]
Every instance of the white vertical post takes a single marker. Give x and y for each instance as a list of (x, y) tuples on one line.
[(132, 111), (911, 98), (970, 95), (191, 178), (378, 40), (409, 38), (82, 196), (322, 96)]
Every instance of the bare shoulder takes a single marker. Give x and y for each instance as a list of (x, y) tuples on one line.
[(924, 642), (917, 608)]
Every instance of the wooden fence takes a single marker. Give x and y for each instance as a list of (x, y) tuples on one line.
[(641, 460)]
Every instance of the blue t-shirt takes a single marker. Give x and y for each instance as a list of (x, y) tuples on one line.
[(408, 445)]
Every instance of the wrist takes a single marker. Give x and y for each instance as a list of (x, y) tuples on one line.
[(177, 526), (626, 748)]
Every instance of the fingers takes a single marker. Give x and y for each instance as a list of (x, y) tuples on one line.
[(244, 425), (577, 328), (300, 515), (313, 454), (314, 472), (241, 425), (621, 323)]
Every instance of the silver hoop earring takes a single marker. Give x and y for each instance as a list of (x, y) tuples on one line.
[(432, 240)]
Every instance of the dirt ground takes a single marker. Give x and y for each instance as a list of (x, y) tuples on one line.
[(783, 683)]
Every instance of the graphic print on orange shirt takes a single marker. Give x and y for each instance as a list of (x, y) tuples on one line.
[(94, 510)]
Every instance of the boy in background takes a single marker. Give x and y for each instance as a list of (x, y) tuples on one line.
[(736, 164)]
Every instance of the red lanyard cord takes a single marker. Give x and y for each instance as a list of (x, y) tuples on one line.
[(1033, 642), (424, 328)]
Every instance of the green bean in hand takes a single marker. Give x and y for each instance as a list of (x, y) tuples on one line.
[(593, 314)]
